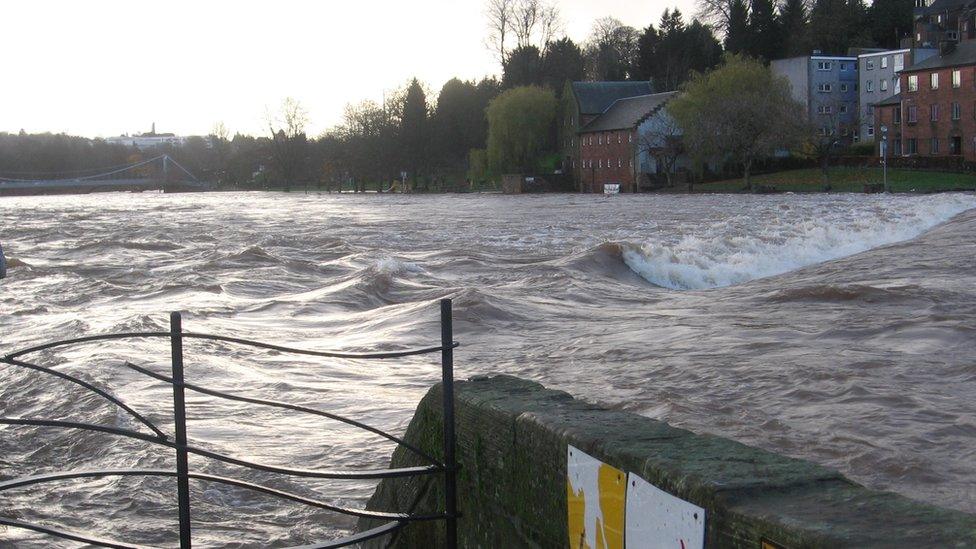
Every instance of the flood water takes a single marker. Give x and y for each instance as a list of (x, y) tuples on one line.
[(838, 329)]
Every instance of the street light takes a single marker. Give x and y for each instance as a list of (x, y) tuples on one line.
[(884, 157)]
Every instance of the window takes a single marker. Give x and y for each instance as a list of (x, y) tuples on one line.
[(956, 78), (844, 87), (619, 138), (824, 109), (630, 138), (911, 145), (843, 109), (599, 139), (900, 61), (935, 145), (601, 164), (824, 65), (620, 163), (934, 113), (896, 117), (956, 111), (934, 80), (870, 86), (912, 82), (843, 66), (884, 84), (870, 131), (912, 114), (884, 62), (870, 64), (824, 87)]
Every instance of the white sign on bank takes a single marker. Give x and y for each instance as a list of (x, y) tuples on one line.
[(610, 509)]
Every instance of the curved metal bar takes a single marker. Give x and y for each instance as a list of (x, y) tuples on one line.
[(379, 531), (288, 406), (338, 475), (90, 387), (69, 475), (69, 535), (228, 339)]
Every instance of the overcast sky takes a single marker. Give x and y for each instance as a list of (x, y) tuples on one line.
[(101, 68)]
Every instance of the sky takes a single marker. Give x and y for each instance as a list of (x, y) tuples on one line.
[(100, 68)]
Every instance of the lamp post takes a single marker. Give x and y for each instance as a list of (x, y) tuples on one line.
[(884, 157)]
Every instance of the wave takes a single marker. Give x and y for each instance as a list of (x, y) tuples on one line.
[(727, 254)]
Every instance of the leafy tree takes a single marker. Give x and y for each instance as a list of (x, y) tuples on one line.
[(519, 124), (612, 51), (562, 62), (459, 121), (739, 111), (523, 67)]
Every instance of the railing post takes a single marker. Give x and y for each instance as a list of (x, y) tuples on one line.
[(179, 420), (447, 389)]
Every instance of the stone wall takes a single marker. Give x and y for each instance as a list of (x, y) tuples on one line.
[(512, 443)]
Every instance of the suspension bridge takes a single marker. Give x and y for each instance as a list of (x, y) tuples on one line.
[(161, 173)]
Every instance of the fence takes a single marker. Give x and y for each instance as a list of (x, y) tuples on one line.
[(178, 442)]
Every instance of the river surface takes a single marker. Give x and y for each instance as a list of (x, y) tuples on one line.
[(835, 328)]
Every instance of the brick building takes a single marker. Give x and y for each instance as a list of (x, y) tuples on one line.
[(609, 151), (581, 103), (935, 114)]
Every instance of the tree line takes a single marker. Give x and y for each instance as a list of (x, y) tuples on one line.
[(470, 130)]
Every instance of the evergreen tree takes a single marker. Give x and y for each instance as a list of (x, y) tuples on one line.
[(793, 24), (764, 31), (647, 46), (890, 21), (413, 129), (737, 32), (704, 51)]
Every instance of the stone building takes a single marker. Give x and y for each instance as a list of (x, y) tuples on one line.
[(878, 80), (609, 145), (935, 114), (581, 103)]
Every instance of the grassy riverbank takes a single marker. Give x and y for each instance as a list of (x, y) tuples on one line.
[(849, 180)]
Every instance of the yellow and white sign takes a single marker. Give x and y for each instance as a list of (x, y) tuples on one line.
[(610, 509), (596, 495)]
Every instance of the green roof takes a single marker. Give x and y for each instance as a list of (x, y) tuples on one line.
[(596, 97)]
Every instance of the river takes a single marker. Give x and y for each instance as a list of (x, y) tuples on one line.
[(835, 328)]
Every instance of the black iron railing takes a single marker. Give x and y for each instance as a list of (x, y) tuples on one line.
[(393, 521)]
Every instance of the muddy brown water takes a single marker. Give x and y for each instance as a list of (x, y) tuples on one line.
[(835, 328)]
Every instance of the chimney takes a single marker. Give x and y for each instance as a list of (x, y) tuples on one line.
[(946, 47)]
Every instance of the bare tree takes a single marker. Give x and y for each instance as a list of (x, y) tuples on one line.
[(500, 15), (715, 13), (662, 141), (826, 136), (530, 22), (288, 140)]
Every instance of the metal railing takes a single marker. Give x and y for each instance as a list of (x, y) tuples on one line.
[(178, 442)]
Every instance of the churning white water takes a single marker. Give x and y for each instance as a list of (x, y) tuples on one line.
[(835, 328)]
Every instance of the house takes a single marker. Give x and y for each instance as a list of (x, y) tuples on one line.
[(878, 80), (827, 88), (581, 103), (610, 150), (935, 114), (940, 21)]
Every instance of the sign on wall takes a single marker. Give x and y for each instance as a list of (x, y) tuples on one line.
[(656, 519), (596, 495), (611, 188), (610, 509)]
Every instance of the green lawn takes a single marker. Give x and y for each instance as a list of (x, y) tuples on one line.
[(849, 180)]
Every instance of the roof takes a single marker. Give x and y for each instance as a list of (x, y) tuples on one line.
[(945, 5), (628, 112), (963, 54), (596, 97), (893, 100)]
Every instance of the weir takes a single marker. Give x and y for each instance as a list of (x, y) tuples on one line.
[(512, 442)]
